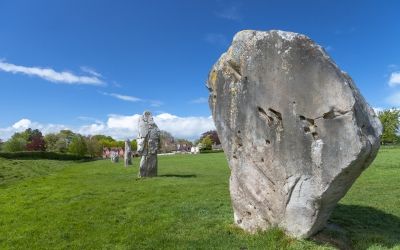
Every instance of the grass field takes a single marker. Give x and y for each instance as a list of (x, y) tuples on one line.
[(99, 205)]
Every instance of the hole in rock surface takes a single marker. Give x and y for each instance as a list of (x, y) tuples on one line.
[(278, 114), (329, 115)]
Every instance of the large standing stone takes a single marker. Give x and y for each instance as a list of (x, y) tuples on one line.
[(148, 141), (294, 127)]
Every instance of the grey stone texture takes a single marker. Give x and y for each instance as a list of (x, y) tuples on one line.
[(148, 143), (294, 127), (114, 157), (127, 153)]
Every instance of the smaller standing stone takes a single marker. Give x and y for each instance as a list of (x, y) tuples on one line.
[(148, 142), (114, 156), (128, 153)]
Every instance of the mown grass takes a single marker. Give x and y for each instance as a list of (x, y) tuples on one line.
[(100, 205)]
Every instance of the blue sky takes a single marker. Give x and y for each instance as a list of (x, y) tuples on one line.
[(93, 66)]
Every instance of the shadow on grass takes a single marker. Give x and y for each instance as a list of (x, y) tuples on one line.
[(179, 175), (359, 227)]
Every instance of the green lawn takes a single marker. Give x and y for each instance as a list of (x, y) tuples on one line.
[(99, 205)]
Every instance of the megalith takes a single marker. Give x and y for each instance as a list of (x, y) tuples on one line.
[(294, 127), (128, 153), (148, 142)]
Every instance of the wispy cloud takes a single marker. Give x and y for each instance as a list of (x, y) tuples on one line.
[(156, 103), (128, 98), (90, 71), (50, 74), (123, 97), (394, 79), (230, 12), (216, 39), (199, 100)]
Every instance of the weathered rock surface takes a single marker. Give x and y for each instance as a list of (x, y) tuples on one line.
[(127, 153), (114, 157), (148, 141), (294, 127)]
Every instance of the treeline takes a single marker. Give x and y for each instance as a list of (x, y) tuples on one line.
[(68, 142), (64, 141)]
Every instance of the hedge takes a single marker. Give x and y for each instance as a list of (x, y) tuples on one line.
[(211, 151), (35, 155)]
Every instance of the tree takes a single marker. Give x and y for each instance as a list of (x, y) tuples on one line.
[(390, 122), (36, 143), (94, 148), (213, 136), (1, 144), (51, 142), (133, 145), (207, 143), (167, 142), (78, 146), (15, 144)]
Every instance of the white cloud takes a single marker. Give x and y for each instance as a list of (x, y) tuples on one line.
[(394, 99), (122, 126), (25, 123), (123, 97), (394, 79), (50, 74), (199, 100), (22, 124), (181, 127)]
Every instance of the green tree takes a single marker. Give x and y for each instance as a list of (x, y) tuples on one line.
[(207, 143), (133, 145), (58, 142), (51, 142), (15, 144), (78, 145), (94, 148), (213, 136), (120, 144), (390, 122)]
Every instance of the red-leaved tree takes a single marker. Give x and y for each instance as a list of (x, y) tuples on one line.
[(36, 143)]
